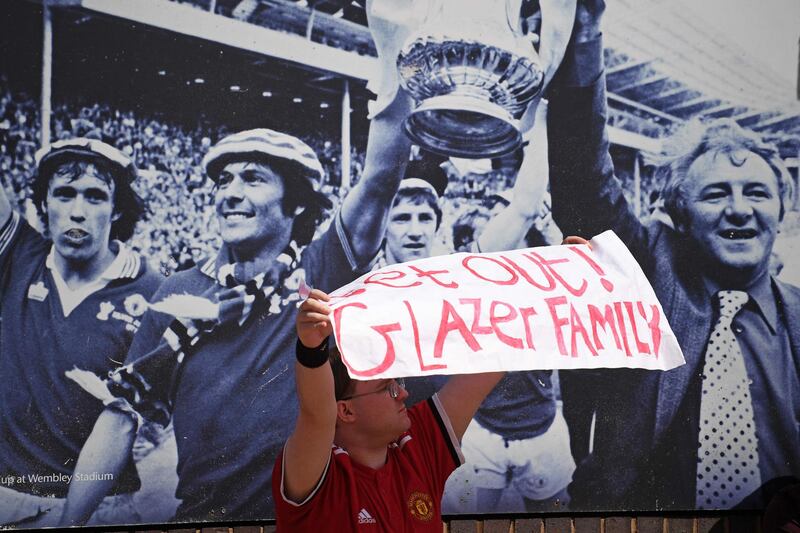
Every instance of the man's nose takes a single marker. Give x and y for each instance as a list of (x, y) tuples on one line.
[(234, 190), (403, 394), (739, 206), (415, 228), (77, 208)]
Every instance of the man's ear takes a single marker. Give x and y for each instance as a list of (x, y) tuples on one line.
[(116, 216), (299, 210), (345, 412)]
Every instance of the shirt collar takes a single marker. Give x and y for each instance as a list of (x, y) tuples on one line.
[(216, 261), (126, 264), (762, 298)]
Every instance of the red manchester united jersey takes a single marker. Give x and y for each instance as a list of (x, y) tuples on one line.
[(402, 496)]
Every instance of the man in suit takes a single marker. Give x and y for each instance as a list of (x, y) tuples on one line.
[(721, 431)]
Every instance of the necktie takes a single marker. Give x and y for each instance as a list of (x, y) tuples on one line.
[(727, 455)]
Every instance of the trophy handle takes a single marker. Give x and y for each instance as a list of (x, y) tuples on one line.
[(558, 18)]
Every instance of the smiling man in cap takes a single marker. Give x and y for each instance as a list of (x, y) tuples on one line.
[(226, 381), (73, 297)]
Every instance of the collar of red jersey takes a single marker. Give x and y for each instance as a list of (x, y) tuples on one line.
[(127, 264)]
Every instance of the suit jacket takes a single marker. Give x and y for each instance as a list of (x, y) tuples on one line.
[(646, 431)]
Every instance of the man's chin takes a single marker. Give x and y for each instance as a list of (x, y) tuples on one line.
[(234, 237), (414, 254), (74, 254), (739, 268), (68, 247)]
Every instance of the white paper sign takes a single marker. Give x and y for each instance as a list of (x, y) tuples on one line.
[(539, 308)]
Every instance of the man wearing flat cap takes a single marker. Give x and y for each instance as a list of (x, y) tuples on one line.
[(73, 297), (219, 364)]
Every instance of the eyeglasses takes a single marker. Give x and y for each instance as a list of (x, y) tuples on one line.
[(394, 388)]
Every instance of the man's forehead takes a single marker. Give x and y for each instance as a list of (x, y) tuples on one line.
[(411, 204), (241, 165), (370, 384), (88, 178), (707, 167)]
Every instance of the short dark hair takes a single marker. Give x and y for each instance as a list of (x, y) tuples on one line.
[(719, 137), (298, 191), (126, 202), (342, 382), (420, 196)]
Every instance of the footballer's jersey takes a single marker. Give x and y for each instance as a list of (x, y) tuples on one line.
[(404, 495), (233, 401), (521, 406), (45, 417)]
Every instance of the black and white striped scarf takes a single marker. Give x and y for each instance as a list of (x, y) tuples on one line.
[(196, 317)]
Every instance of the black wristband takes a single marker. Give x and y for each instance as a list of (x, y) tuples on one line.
[(311, 357)]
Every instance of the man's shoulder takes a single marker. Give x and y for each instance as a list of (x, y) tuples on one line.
[(191, 281), (30, 245), (790, 294), (144, 274), (321, 239)]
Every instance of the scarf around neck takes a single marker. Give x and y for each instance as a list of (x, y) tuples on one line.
[(240, 289)]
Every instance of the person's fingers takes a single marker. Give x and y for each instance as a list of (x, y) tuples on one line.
[(310, 317), (574, 239), (319, 295), (312, 304)]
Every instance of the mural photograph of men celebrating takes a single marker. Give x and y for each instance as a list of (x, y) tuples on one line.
[(268, 206), (245, 122), (721, 431)]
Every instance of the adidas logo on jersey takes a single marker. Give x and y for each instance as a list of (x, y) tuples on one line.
[(365, 518)]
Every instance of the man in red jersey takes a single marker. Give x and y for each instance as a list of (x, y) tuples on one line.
[(358, 459)]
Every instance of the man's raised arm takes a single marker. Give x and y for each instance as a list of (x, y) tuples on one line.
[(366, 208), (507, 228), (308, 449), (587, 197)]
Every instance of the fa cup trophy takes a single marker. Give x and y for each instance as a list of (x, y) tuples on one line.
[(472, 68)]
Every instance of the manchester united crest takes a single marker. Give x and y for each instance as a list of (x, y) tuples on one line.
[(421, 506)]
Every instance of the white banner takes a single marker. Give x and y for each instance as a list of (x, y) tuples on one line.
[(538, 308)]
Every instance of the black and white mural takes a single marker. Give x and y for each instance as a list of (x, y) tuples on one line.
[(121, 128)]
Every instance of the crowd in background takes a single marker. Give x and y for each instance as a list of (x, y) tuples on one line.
[(179, 228)]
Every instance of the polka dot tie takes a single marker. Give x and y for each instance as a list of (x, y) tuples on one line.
[(727, 455)]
